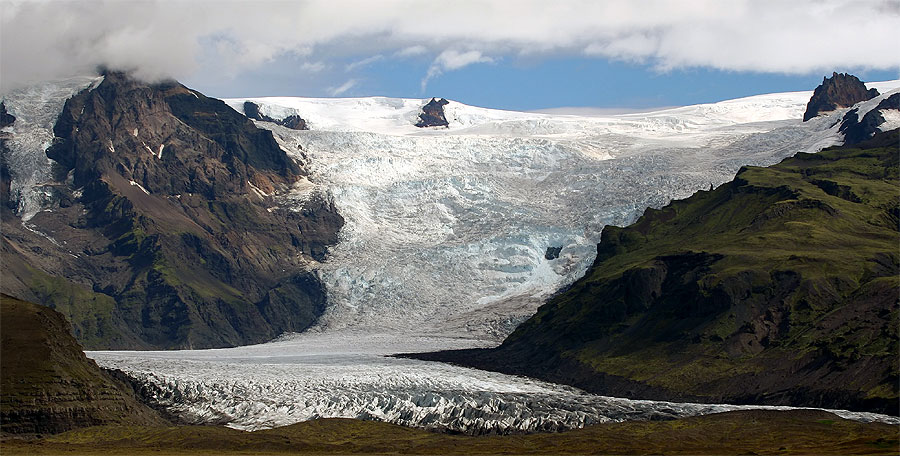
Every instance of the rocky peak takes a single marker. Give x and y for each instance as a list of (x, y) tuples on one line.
[(841, 90), (170, 229), (433, 114), (167, 138), (294, 122)]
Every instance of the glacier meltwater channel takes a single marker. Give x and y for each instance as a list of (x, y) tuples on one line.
[(446, 246)]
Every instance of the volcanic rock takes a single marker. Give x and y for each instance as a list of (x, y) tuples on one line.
[(6, 119), (856, 130), (840, 91), (433, 114)]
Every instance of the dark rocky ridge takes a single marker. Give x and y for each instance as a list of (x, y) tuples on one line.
[(293, 122), (857, 130), (433, 114), (48, 385), (168, 232), (780, 287), (841, 90), (6, 119)]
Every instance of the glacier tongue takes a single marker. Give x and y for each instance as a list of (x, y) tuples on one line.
[(341, 374)]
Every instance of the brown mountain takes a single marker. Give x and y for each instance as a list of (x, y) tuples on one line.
[(841, 90), (169, 230)]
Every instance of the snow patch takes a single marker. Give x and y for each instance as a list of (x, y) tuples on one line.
[(135, 184), (891, 119), (257, 191)]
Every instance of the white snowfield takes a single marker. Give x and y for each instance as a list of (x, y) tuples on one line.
[(444, 247)]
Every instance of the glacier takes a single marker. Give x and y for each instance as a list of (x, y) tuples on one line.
[(444, 247), (447, 228), (348, 375)]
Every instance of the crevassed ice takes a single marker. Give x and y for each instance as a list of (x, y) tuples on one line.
[(36, 109), (447, 229), (341, 374)]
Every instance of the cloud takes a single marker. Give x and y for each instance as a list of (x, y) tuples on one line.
[(453, 60), (364, 62), (411, 51), (179, 38), (335, 91), (313, 67)]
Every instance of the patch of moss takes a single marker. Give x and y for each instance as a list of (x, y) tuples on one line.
[(92, 314)]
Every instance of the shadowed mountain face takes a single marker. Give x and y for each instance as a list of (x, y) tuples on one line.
[(433, 114), (780, 287), (856, 129), (169, 230), (294, 122), (841, 90), (48, 384)]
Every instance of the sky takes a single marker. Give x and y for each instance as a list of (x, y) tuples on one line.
[(507, 54)]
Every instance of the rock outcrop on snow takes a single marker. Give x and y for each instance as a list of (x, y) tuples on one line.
[(841, 90), (433, 114)]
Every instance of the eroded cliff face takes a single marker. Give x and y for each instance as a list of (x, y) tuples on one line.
[(169, 229), (48, 384)]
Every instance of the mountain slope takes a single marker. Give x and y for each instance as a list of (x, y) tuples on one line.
[(780, 287), (48, 385), (166, 226)]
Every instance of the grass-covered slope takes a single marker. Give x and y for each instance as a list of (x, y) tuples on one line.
[(780, 287), (47, 385), (747, 432)]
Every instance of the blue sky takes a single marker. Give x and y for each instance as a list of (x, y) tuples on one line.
[(516, 84), (510, 54)]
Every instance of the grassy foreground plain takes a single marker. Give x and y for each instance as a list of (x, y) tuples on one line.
[(739, 433)]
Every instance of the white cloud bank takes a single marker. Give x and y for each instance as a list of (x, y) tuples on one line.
[(43, 39), (453, 60)]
